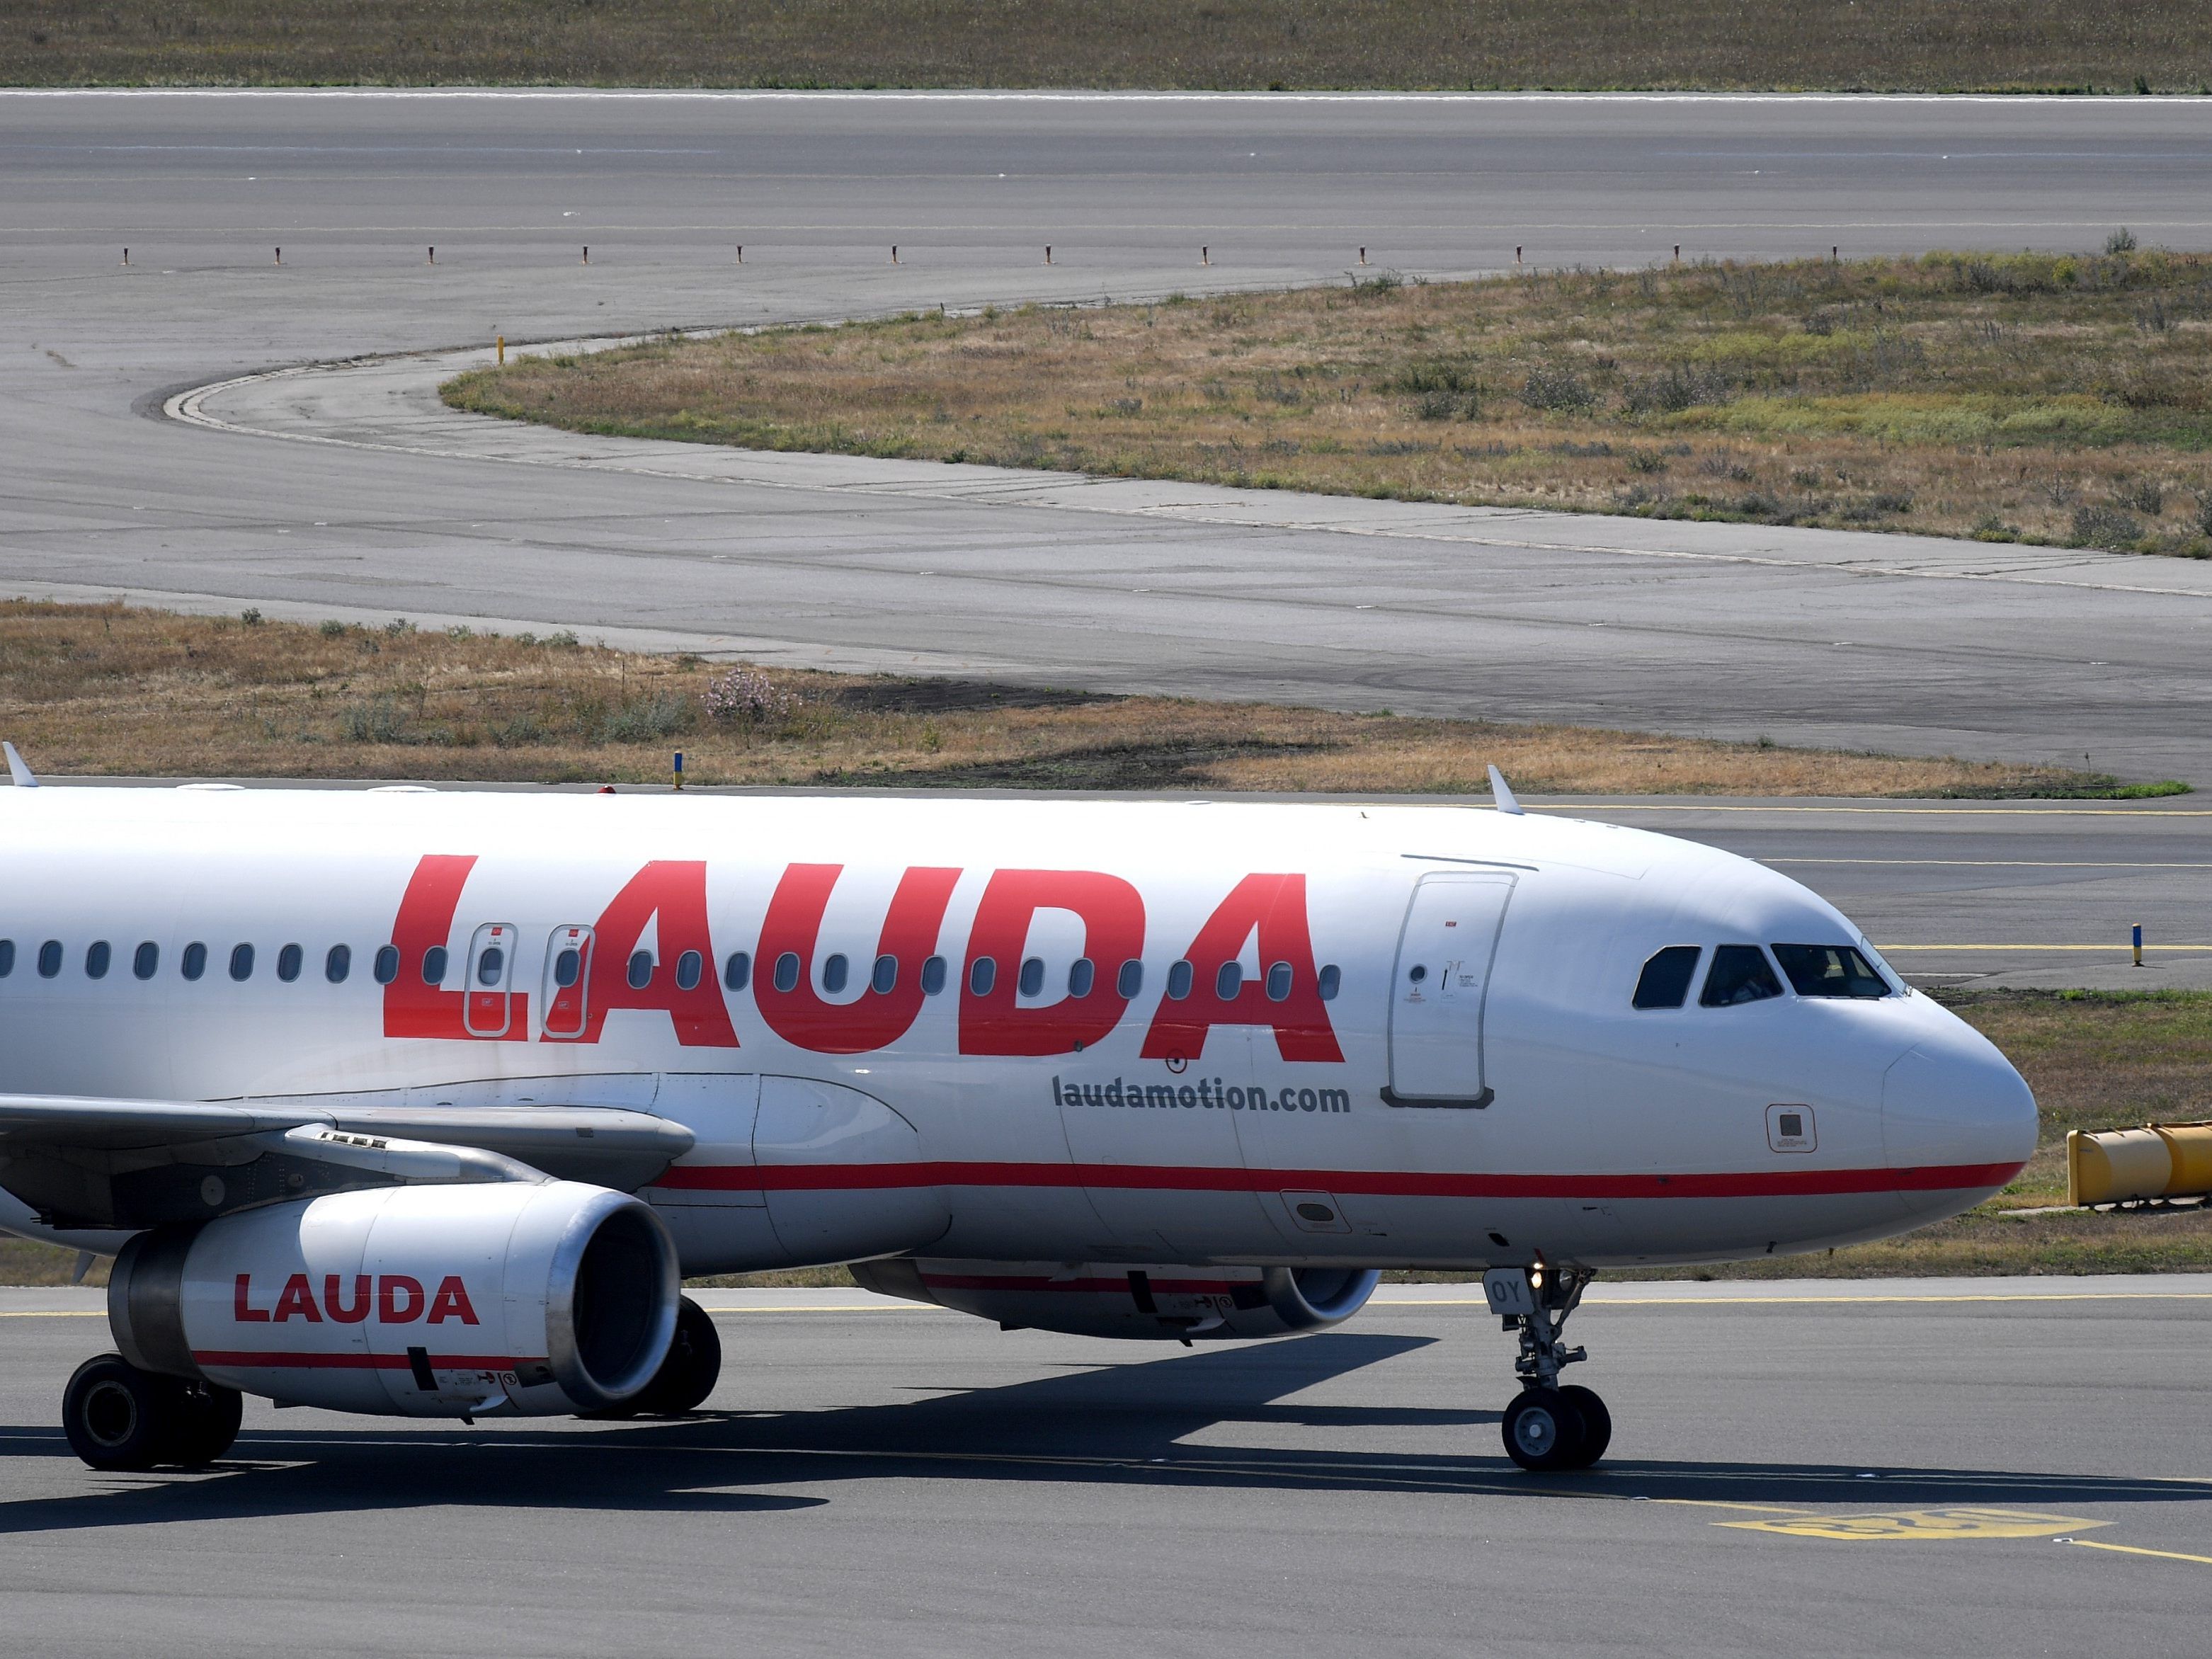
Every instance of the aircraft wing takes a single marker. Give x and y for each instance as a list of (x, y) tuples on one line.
[(82, 1162)]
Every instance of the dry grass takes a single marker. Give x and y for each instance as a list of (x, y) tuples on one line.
[(1900, 45), (2050, 399), (91, 690)]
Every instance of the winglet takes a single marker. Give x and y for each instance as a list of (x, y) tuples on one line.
[(1500, 792), (19, 773)]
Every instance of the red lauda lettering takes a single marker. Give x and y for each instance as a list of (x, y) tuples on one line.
[(1273, 907), (239, 1309), (399, 1299), (337, 1308), (451, 1302), (877, 1019), (1113, 917), (411, 1008), (297, 1301), (675, 892)]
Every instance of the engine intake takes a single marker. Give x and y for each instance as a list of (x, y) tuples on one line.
[(1140, 1302), (542, 1299)]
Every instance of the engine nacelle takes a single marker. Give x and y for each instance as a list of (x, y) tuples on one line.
[(1144, 1303), (543, 1298)]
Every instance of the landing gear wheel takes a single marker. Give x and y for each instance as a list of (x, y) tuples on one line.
[(694, 1365), (1543, 1430), (1597, 1425), (119, 1418), (686, 1376), (207, 1418)]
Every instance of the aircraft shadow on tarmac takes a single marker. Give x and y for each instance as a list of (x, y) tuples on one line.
[(1122, 1425)]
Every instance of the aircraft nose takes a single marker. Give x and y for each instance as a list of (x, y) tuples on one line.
[(1952, 1100)]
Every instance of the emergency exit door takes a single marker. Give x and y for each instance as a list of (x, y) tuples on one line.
[(1441, 985)]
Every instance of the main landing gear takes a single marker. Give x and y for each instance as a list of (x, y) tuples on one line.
[(686, 1377), (118, 1417), (1548, 1427)]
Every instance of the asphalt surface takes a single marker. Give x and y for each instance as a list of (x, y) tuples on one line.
[(1716, 630), (917, 1482)]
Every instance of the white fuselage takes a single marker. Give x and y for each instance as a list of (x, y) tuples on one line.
[(1033, 1113)]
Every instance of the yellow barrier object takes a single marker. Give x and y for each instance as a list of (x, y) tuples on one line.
[(2160, 1160)]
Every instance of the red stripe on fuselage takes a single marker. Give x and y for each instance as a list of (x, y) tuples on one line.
[(1374, 1183)]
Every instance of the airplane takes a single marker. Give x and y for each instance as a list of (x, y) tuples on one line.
[(425, 1103)]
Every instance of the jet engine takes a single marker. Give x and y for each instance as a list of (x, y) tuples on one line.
[(542, 1299), (1144, 1303)]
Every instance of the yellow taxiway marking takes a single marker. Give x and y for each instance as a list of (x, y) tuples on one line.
[(2136, 1549), (1944, 1523)]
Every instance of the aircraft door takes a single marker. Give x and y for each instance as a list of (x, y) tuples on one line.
[(489, 1007), (1440, 985), (568, 983)]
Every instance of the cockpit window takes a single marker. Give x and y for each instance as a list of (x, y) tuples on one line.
[(1830, 970), (1740, 974), (1665, 982)]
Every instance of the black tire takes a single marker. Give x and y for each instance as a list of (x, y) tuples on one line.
[(693, 1365), (206, 1424), (1597, 1425), (119, 1418), (687, 1375), (1542, 1430)]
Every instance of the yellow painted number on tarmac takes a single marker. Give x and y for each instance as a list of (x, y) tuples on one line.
[(1923, 1523)]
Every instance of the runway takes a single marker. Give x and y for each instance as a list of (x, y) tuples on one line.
[(1727, 631), (1858, 1467)]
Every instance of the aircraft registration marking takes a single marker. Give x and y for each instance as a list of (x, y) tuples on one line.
[(1931, 1524)]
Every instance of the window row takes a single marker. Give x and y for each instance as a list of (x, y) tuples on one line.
[(1742, 974), (490, 970)]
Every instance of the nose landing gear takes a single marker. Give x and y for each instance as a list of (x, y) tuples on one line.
[(1548, 1427)]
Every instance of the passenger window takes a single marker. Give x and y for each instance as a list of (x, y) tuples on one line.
[(339, 963), (1228, 980), (1081, 976), (1830, 970), (96, 958), (1739, 974), (983, 974), (433, 965), (1665, 981), (933, 977), (49, 958), (691, 968), (566, 966), (384, 970), (1179, 978), (1130, 979), (1279, 982), (786, 971), (7, 958), (884, 978), (195, 961), (288, 961), (146, 960), (640, 969), (737, 971), (834, 973), (241, 962), (1330, 981), (1032, 979), (491, 963)]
